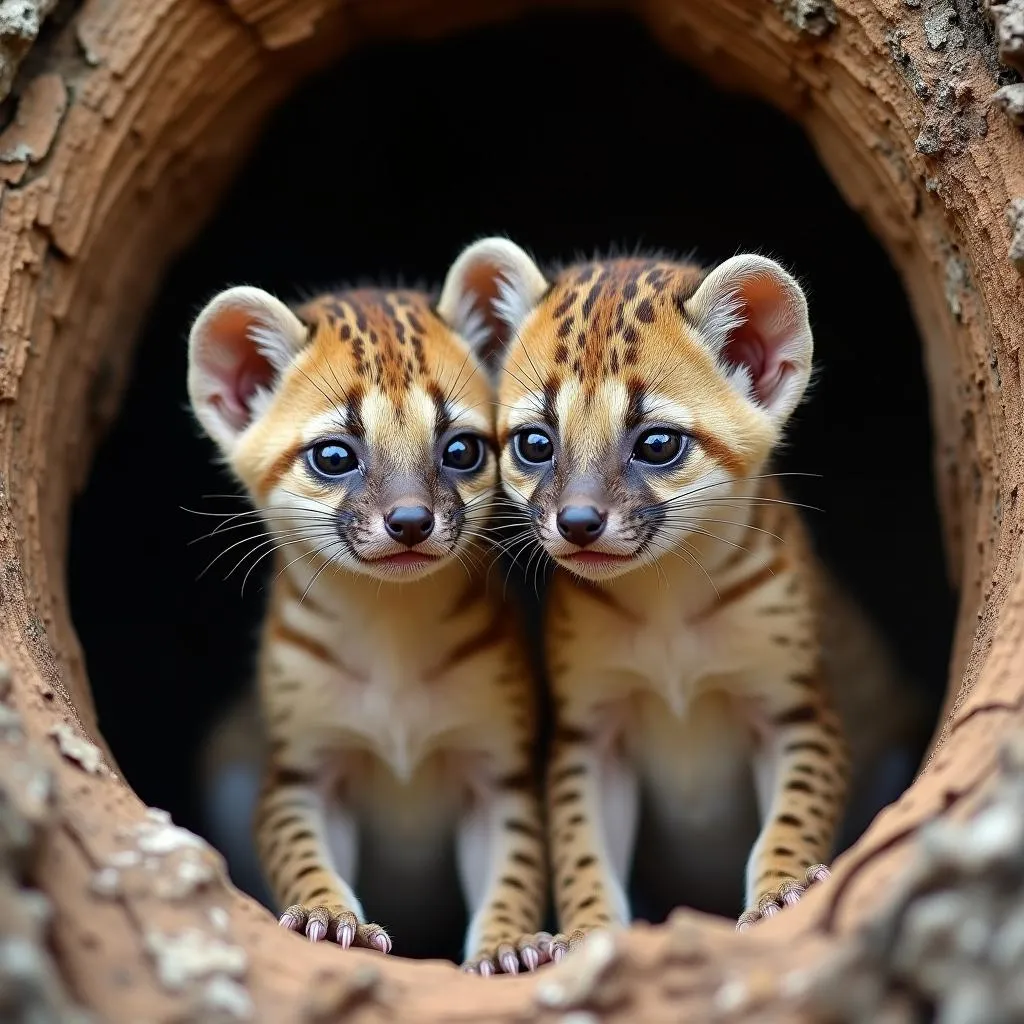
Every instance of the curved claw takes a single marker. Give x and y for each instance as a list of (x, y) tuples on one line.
[(787, 895), (315, 931), (382, 943), (515, 954), (747, 918), (346, 935)]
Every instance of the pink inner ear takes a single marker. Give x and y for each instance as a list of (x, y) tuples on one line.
[(747, 345), (239, 369)]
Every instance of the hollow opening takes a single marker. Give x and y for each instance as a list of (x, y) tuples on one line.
[(384, 167)]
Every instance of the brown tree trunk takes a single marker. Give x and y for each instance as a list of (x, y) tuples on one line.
[(131, 117)]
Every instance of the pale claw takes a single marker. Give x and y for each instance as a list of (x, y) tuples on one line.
[(315, 931), (486, 968), (531, 958), (346, 935)]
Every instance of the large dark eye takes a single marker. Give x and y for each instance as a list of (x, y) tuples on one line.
[(464, 453), (659, 447), (533, 446), (332, 459)]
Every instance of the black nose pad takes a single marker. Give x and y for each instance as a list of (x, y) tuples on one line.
[(581, 524), (409, 524)]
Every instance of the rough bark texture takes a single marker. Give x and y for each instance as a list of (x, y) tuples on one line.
[(131, 116)]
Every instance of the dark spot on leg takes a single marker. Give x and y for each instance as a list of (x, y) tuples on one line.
[(570, 796), (569, 771)]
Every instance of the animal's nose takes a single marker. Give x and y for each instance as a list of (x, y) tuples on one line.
[(581, 524), (409, 524)]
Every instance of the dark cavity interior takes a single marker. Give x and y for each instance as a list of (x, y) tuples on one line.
[(382, 169)]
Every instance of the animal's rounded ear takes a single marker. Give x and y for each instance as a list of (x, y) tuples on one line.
[(237, 348), (753, 315), (490, 290)]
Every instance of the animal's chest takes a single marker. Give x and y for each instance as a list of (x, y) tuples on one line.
[(673, 689), (399, 717), (670, 656), (379, 694)]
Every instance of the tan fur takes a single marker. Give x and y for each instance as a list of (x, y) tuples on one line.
[(396, 700), (694, 660)]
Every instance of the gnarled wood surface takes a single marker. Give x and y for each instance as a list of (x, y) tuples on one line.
[(131, 117)]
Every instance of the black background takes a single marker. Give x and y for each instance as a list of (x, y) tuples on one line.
[(570, 134)]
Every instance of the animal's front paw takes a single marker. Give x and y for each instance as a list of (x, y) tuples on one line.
[(562, 944), (334, 923), (529, 952), (771, 902)]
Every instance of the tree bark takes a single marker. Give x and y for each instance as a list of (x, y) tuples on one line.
[(131, 117)]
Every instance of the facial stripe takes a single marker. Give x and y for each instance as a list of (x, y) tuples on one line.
[(461, 417), (662, 410), (729, 459), (328, 424), (270, 479), (590, 430), (400, 434), (528, 408)]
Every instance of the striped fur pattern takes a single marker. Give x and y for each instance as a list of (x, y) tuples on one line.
[(395, 696), (640, 404)]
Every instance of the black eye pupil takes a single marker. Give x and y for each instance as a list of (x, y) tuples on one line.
[(333, 459), (658, 447), (534, 446), (463, 453)]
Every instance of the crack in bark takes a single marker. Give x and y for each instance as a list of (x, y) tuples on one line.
[(988, 708), (852, 875)]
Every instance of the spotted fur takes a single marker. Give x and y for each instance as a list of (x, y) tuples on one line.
[(684, 643), (394, 692)]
